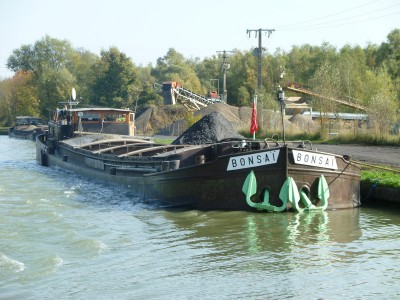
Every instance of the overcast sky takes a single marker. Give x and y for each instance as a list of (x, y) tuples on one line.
[(145, 30)]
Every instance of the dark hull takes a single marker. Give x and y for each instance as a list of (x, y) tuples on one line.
[(209, 177), (26, 134)]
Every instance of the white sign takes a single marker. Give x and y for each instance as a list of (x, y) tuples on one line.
[(315, 159), (253, 160)]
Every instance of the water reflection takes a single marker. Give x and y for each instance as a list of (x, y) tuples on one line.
[(259, 232)]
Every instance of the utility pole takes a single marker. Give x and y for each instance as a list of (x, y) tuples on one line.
[(259, 31), (225, 67)]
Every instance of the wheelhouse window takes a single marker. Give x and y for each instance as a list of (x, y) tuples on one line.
[(115, 117), (90, 117)]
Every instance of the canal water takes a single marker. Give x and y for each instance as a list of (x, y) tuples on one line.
[(66, 237)]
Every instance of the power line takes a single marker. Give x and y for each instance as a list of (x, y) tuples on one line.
[(339, 22), (325, 25), (330, 15)]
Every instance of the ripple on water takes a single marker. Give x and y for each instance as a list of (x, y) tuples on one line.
[(88, 246), (10, 265)]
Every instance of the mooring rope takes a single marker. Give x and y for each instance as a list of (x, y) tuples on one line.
[(372, 189), (374, 166)]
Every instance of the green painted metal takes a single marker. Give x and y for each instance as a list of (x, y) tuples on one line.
[(289, 193), (323, 194), (306, 201), (250, 188), (323, 191)]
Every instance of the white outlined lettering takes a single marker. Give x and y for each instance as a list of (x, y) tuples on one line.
[(253, 160), (315, 159)]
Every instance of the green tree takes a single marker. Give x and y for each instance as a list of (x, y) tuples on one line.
[(149, 93), (388, 53), (243, 96), (352, 63), (326, 83), (116, 80), (81, 67), (371, 55), (382, 106), (242, 78), (174, 67), (209, 73), (48, 60)]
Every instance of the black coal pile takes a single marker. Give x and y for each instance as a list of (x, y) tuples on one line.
[(210, 129)]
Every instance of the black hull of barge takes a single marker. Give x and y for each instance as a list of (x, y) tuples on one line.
[(208, 185)]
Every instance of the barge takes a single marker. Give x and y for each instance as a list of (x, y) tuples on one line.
[(27, 127), (228, 174)]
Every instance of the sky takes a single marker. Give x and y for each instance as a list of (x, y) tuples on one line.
[(145, 30)]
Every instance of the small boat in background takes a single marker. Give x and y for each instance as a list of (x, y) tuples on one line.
[(27, 127)]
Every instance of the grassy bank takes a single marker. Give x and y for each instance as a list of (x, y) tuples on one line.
[(381, 177), (367, 139), (380, 187)]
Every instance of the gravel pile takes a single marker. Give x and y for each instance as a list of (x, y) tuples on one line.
[(210, 129), (305, 122)]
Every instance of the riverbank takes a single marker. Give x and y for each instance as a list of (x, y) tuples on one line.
[(373, 194)]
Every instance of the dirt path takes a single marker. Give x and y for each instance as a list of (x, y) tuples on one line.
[(383, 155)]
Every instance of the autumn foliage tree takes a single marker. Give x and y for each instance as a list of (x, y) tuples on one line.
[(18, 97), (48, 60)]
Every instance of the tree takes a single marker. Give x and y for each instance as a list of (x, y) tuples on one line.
[(389, 53), (382, 106), (243, 96), (18, 97), (242, 76), (325, 82), (174, 67), (208, 70), (48, 60), (148, 95), (388, 56), (352, 63), (371, 55), (81, 67), (116, 80)]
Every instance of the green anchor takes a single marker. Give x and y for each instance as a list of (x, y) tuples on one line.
[(288, 193), (250, 188), (323, 194)]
